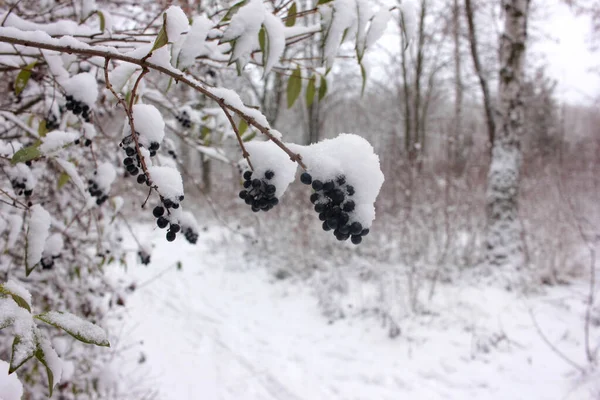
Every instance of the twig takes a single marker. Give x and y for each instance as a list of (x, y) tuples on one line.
[(239, 137)]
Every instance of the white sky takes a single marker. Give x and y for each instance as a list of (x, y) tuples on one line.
[(566, 49)]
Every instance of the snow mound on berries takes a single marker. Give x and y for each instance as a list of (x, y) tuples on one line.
[(105, 176), (53, 246), (353, 157), (149, 124), (82, 87), (169, 182), (266, 156), (55, 140)]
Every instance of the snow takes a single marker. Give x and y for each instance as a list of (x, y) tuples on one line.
[(244, 28), (83, 87), (149, 124), (10, 385), (266, 156), (24, 328), (37, 233), (338, 18), (77, 326), (53, 246), (195, 42), (55, 140), (377, 27), (71, 170), (229, 331), (119, 76), (59, 28), (231, 98), (16, 223), (353, 157), (22, 173), (299, 30), (275, 43), (105, 176), (169, 182), (187, 220), (89, 131), (16, 288), (177, 23), (364, 14), (8, 148)]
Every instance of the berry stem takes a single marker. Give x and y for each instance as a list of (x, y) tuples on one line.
[(237, 134)]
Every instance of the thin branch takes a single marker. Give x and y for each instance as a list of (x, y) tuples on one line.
[(239, 137)]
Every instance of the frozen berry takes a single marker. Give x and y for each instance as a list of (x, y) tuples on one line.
[(141, 178), (128, 161), (162, 222), (154, 146), (158, 211), (329, 185), (174, 228), (168, 203), (356, 239), (269, 174), (317, 185), (243, 194), (349, 206), (350, 190), (326, 226), (306, 178), (256, 183), (247, 184), (171, 236), (129, 151), (341, 180), (247, 175), (314, 198), (356, 228)]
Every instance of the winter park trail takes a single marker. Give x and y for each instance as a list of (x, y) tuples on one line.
[(217, 329)]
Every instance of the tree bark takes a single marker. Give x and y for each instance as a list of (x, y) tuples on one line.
[(504, 243)]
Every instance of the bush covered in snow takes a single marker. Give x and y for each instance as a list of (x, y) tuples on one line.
[(97, 104)]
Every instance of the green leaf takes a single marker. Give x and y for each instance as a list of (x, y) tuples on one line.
[(179, 265), (42, 128), (79, 328), (204, 132), (251, 135), (320, 2), (294, 87), (21, 302), (291, 16), (363, 73), (26, 154), (17, 347), (102, 20), (262, 39), (23, 78), (39, 354), (161, 39), (310, 91), (322, 88), (232, 11), (243, 127), (63, 179)]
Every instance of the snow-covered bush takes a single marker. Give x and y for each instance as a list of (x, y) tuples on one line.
[(94, 99)]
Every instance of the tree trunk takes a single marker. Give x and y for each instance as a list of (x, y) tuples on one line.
[(504, 244)]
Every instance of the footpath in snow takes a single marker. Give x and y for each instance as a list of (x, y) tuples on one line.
[(221, 329)]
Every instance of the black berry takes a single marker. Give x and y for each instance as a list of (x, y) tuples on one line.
[(158, 211), (306, 178), (171, 236)]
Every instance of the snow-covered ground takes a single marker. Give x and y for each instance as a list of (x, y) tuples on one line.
[(221, 329)]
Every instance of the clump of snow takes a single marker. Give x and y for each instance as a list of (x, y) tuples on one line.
[(88, 7), (350, 156), (16, 223), (8, 148), (120, 75), (177, 23), (338, 16), (118, 202), (22, 173), (377, 27), (275, 32), (169, 182), (149, 124), (38, 232), (53, 246), (55, 140), (16, 288), (77, 326), (82, 87), (161, 57), (231, 98), (25, 329), (10, 385), (364, 15), (187, 220), (266, 156), (244, 28), (195, 42), (89, 131), (105, 176)]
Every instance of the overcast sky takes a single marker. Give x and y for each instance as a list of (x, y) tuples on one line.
[(567, 51)]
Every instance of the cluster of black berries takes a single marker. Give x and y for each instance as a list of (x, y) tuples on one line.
[(184, 119), (190, 235), (162, 221), (96, 192), (144, 257), (132, 161), (77, 107), (87, 142), (333, 202), (259, 193), (20, 186), (52, 122)]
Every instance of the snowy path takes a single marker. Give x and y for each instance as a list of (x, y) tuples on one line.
[(216, 330)]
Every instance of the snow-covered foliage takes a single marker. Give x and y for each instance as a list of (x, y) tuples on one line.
[(73, 69)]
